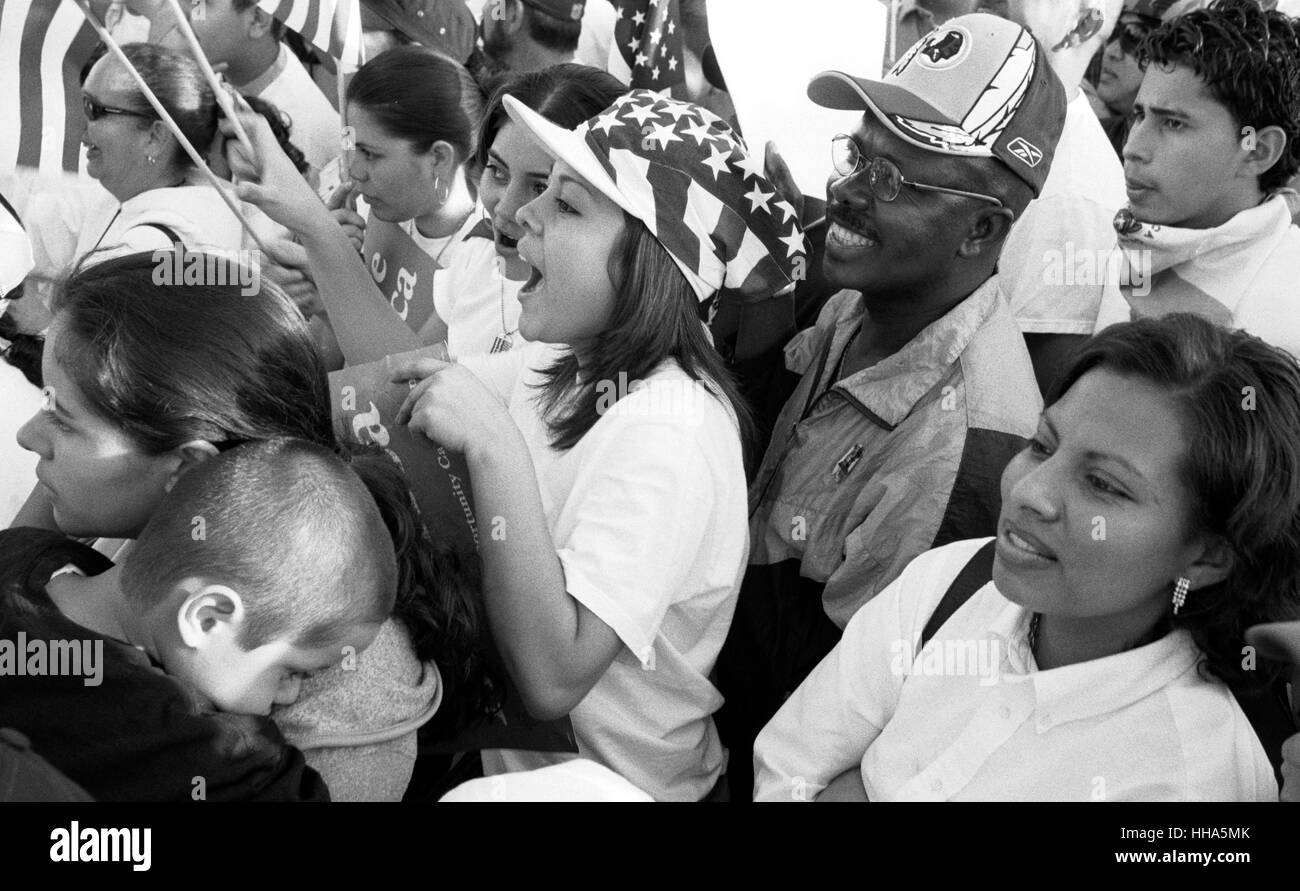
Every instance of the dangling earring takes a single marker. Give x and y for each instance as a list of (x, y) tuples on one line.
[(150, 159), (439, 195), (1180, 592)]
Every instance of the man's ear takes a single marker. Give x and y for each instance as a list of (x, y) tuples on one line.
[(988, 229), (259, 23), (1212, 566), (1263, 148), (188, 455), (208, 614)]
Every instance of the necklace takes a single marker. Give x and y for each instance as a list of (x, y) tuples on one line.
[(505, 340)]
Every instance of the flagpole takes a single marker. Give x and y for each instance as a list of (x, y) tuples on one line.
[(167, 119), (223, 99)]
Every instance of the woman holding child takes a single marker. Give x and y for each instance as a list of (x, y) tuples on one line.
[(146, 381)]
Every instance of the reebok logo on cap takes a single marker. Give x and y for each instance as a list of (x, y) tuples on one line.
[(1025, 151)]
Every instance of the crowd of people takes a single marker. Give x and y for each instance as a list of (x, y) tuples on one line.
[(965, 480)]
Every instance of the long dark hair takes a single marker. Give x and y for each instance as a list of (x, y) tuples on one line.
[(656, 317), (171, 364), (1240, 400)]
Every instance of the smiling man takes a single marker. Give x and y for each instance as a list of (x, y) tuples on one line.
[(917, 387), (1213, 141)]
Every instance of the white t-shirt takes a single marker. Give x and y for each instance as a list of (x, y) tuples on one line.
[(314, 126), (475, 302), (648, 516), (1050, 260), (972, 718)]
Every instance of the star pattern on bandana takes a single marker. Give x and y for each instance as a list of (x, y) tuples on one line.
[(647, 38), (682, 146)]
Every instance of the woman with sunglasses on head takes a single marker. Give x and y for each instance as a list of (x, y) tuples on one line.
[(1152, 519), (157, 196)]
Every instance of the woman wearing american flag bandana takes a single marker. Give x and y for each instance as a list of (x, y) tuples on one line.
[(607, 456)]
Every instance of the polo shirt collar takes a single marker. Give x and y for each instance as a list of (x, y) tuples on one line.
[(1098, 687), (891, 388)]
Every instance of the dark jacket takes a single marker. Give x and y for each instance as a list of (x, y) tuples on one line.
[(139, 735)]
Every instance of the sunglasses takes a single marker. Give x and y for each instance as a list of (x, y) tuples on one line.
[(95, 110), (883, 176), (1130, 35)]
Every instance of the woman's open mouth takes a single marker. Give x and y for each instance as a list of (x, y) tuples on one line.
[(534, 279)]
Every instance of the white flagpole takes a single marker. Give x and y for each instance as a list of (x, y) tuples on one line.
[(167, 119), (223, 99)]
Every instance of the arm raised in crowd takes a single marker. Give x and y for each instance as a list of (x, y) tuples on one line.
[(363, 323)]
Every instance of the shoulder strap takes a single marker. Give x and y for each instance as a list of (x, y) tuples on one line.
[(977, 573), (165, 230)]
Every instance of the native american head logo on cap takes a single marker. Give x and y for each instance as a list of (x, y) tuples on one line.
[(944, 48)]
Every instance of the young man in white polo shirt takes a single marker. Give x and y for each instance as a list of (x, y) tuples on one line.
[(243, 37)]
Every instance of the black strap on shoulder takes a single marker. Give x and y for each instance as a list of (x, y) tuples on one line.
[(977, 573), (166, 230)]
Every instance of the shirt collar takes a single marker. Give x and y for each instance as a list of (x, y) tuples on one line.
[(1099, 686), (255, 86), (891, 388)]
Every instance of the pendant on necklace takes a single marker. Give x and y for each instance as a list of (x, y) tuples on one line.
[(502, 343)]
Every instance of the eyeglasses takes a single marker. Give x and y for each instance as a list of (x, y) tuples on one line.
[(883, 176), (95, 110)]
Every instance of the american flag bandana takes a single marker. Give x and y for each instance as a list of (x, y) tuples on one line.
[(647, 46), (683, 172)]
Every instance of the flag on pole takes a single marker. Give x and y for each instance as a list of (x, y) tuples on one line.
[(332, 26), (647, 48), (43, 46)]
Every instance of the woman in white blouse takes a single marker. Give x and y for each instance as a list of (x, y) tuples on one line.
[(1154, 517), (156, 197)]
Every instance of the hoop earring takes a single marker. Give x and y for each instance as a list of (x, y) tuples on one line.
[(1180, 592)]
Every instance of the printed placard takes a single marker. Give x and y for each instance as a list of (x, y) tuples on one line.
[(401, 269), (365, 404)]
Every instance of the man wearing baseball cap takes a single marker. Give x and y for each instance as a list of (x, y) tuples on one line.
[(529, 35), (916, 384)]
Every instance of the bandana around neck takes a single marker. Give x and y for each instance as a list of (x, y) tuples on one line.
[(1199, 261)]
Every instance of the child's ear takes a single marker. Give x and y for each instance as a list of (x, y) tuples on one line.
[(190, 454), (1263, 147), (208, 613)]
